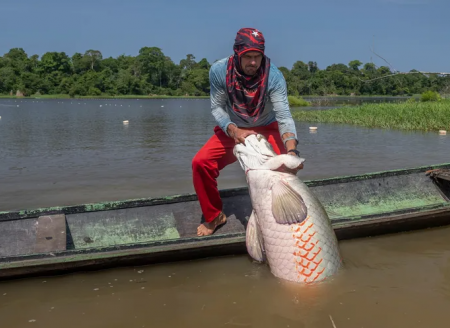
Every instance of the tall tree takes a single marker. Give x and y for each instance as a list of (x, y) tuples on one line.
[(93, 57)]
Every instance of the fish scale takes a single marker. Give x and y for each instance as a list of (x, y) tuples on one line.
[(284, 254), (303, 252)]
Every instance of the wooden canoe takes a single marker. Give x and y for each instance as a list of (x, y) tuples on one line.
[(142, 231)]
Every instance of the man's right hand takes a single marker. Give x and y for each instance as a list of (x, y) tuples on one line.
[(238, 134)]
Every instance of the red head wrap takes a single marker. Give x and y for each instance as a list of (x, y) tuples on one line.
[(248, 39), (247, 93)]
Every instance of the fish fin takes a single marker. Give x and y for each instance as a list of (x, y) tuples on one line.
[(288, 206), (253, 239)]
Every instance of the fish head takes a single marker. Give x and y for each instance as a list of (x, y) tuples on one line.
[(257, 153), (254, 152)]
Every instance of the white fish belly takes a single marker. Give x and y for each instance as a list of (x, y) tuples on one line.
[(304, 252)]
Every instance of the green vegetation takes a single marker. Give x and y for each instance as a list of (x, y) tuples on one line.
[(298, 102), (430, 96), (425, 116), (110, 97), (152, 73)]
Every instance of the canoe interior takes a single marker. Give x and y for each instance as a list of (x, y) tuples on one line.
[(166, 225)]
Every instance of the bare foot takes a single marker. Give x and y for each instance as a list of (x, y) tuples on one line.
[(208, 228)]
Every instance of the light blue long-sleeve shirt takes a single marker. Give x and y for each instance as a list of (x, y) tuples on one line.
[(276, 109)]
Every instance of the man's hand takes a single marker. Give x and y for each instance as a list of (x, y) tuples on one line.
[(291, 144), (239, 134)]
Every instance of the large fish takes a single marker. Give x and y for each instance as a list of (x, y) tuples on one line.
[(288, 228)]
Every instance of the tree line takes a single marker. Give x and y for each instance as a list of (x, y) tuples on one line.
[(151, 72)]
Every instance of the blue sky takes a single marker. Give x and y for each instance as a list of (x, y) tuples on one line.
[(408, 33)]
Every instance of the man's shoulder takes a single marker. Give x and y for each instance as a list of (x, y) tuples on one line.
[(219, 65), (218, 72), (275, 74)]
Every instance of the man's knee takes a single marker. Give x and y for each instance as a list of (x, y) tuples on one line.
[(199, 161), (204, 165)]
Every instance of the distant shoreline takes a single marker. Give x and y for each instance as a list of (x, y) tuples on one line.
[(178, 97), (102, 97)]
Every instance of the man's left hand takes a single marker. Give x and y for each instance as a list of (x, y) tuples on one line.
[(293, 152), (290, 144)]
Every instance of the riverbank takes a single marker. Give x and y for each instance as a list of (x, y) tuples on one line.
[(423, 116), (66, 96), (63, 96), (293, 101)]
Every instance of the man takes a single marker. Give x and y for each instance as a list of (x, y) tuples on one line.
[(240, 87)]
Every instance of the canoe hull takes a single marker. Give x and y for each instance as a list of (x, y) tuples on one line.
[(146, 231)]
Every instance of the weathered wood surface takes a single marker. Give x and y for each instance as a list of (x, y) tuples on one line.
[(51, 234), (17, 237)]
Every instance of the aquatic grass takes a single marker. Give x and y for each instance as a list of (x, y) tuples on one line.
[(298, 102), (55, 96), (424, 116), (37, 96), (430, 96)]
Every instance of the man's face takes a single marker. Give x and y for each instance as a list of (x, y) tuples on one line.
[(250, 62)]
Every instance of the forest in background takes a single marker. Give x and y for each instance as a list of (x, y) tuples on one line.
[(151, 72)]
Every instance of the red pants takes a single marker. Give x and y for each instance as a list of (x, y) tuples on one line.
[(213, 157)]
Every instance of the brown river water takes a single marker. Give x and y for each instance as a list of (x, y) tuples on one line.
[(61, 152), (398, 281), (66, 152)]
